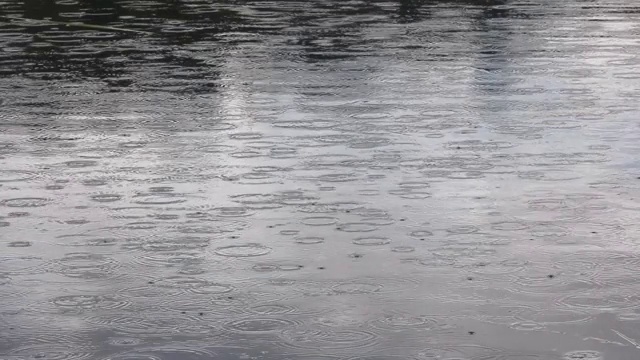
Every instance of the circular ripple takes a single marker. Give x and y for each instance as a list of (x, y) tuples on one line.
[(290, 267), (258, 201), (548, 230), (169, 258), (161, 189), (19, 244), (526, 326), (194, 285), (132, 144), (245, 250), (91, 242), (547, 204), (260, 325), (319, 221), (166, 216), (14, 265), (342, 339), (501, 268), (595, 300), (509, 226), (414, 184), (245, 154), (335, 138), (216, 148), (94, 182), (309, 240), (106, 197), (84, 265), (176, 244), (462, 175), (549, 175), (88, 302), (629, 316), (410, 194), (163, 354), (432, 261), (281, 282), (51, 351), (123, 341), (368, 143), (143, 324), (400, 322), (7, 176), (477, 145), (371, 116), (583, 355), (372, 241), (582, 266), (420, 233), (141, 225), (433, 173), (16, 214), (357, 288), (236, 211), (561, 124), (338, 177), (272, 309), (458, 352), (81, 163), (381, 357), (159, 199), (218, 226), (516, 356), (462, 251), (246, 136), (403, 249), (463, 229), (553, 316), (599, 147), (357, 227), (306, 124), (25, 202), (265, 267)]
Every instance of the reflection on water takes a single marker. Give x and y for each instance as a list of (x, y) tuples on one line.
[(406, 179)]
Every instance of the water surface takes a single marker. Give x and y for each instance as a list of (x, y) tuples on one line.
[(320, 180)]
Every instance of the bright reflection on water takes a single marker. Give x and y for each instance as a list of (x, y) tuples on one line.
[(319, 180)]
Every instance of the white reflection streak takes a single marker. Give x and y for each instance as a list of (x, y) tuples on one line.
[(630, 340)]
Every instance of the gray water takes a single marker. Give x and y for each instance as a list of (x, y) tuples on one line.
[(320, 180)]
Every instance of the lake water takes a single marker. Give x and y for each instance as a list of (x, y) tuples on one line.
[(324, 179)]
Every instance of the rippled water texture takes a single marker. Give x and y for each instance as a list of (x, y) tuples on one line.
[(199, 179)]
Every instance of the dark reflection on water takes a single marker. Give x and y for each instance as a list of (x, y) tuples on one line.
[(406, 179)]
